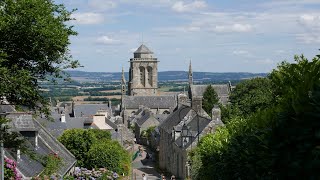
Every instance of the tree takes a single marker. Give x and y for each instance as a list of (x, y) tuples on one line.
[(280, 141), (251, 95), (79, 142), (109, 154), (33, 44), (210, 98)]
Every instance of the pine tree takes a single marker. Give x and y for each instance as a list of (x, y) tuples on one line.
[(210, 98)]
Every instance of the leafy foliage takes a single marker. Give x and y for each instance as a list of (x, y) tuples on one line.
[(279, 141), (251, 95), (210, 98), (52, 164), (93, 148), (78, 142), (34, 43), (109, 154)]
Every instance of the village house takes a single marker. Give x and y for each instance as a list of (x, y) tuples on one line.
[(39, 140), (181, 131)]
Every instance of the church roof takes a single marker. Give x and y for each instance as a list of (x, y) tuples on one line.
[(153, 102), (222, 90), (143, 49)]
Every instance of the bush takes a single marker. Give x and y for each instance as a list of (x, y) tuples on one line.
[(110, 155)]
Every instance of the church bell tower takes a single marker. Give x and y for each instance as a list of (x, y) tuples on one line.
[(143, 73)]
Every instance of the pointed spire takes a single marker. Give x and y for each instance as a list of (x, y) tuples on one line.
[(123, 79), (123, 83), (190, 74)]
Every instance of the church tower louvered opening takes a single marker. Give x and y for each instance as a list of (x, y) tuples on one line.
[(143, 78)]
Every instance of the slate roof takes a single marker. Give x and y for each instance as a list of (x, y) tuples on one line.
[(174, 118), (143, 50), (153, 102), (88, 110), (222, 90), (56, 127), (54, 145), (46, 144), (161, 117), (4, 108), (193, 129), (22, 122), (146, 115)]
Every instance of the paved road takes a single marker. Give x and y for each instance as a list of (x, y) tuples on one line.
[(143, 165)]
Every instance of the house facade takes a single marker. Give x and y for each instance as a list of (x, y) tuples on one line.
[(180, 132)]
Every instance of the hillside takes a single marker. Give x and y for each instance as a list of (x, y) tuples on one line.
[(166, 76)]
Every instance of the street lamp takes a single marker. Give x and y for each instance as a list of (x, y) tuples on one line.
[(197, 115), (185, 135)]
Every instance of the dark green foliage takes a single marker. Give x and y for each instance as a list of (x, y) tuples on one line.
[(93, 148), (78, 142), (210, 98), (280, 141), (251, 95), (111, 155), (34, 43), (100, 134)]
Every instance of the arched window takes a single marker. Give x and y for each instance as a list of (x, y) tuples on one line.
[(149, 69), (142, 76)]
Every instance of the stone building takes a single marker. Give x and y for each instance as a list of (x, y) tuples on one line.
[(142, 87), (222, 90), (180, 132), (146, 120), (38, 140), (143, 73)]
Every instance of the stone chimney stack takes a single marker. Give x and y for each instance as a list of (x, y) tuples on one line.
[(182, 99), (197, 104), (216, 113)]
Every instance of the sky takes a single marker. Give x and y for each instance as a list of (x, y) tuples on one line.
[(216, 35)]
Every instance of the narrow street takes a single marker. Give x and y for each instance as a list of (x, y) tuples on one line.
[(143, 165)]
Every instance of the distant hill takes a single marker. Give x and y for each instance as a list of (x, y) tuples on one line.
[(163, 76)]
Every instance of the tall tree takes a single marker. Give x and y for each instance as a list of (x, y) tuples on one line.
[(33, 44), (251, 95), (280, 141), (210, 98)]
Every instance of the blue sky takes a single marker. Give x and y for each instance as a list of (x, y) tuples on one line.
[(216, 35)]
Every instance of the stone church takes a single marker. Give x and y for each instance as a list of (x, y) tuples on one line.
[(142, 87)]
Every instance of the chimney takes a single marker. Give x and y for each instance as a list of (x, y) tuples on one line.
[(18, 154), (216, 113), (197, 104), (182, 100), (36, 140), (63, 118)]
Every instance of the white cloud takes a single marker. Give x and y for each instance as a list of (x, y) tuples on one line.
[(240, 52), (181, 6), (265, 61), (106, 40), (280, 51), (308, 38), (102, 4), (241, 27), (232, 28), (88, 18)]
